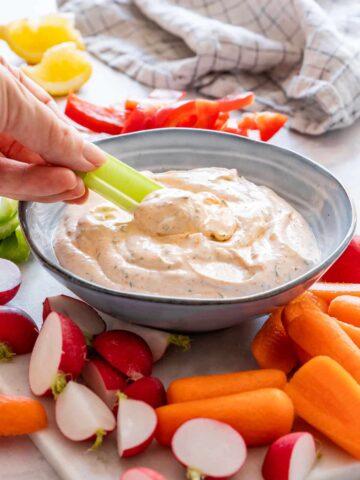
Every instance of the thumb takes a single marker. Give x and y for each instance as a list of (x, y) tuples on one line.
[(37, 127)]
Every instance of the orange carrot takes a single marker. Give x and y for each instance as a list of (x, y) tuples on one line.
[(296, 307), (272, 347), (352, 331), (329, 291), (260, 416), (346, 308), (301, 354), (328, 398), (21, 415), (210, 386), (319, 334)]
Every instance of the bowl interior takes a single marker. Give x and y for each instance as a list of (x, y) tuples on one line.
[(311, 189)]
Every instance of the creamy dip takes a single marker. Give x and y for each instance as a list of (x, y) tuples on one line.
[(209, 234)]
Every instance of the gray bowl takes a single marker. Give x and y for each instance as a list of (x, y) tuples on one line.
[(310, 188)]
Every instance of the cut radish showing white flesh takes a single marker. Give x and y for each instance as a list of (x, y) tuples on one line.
[(141, 473), (125, 351), (10, 280), (158, 340), (82, 415), (103, 380), (209, 448), (18, 332), (59, 353), (137, 422), (148, 389), (80, 312), (291, 457)]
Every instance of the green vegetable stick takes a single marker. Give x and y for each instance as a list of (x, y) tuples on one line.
[(9, 226), (8, 208), (15, 247)]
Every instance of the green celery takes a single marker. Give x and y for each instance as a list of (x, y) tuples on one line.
[(15, 247)]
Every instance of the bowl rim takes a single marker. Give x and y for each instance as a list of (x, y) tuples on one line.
[(255, 297)]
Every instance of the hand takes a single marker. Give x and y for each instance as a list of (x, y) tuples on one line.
[(39, 151)]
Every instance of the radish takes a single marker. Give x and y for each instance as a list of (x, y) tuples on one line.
[(125, 351), (82, 415), (80, 312), (18, 332), (290, 457), (141, 473), (158, 340), (148, 389), (209, 449), (59, 353), (137, 422), (103, 380), (10, 280)]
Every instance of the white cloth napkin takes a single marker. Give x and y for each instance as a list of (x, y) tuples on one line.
[(300, 57)]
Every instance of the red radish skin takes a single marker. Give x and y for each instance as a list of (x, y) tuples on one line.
[(103, 380), (148, 389), (158, 340), (80, 312), (18, 332), (137, 422), (290, 457), (125, 351), (141, 473), (347, 267), (209, 449), (81, 415), (59, 354), (10, 280)]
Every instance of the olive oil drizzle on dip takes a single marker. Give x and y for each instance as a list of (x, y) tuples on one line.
[(208, 234)]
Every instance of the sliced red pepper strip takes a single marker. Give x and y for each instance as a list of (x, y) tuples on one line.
[(96, 118), (221, 120), (248, 121), (235, 102), (207, 112), (269, 123)]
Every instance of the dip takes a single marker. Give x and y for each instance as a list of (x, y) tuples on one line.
[(209, 234)]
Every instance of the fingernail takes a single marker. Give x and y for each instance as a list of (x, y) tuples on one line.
[(93, 154)]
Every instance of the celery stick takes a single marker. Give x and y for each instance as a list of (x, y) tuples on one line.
[(9, 226), (8, 208), (15, 247)]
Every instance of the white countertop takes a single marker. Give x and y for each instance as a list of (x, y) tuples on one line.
[(339, 151)]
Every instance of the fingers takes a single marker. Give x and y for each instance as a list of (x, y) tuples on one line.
[(34, 125), (22, 181), (12, 149)]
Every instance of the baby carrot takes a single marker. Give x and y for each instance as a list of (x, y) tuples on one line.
[(260, 416), (329, 291), (319, 334), (21, 415), (346, 308), (272, 347), (296, 307), (327, 397), (352, 331), (210, 386)]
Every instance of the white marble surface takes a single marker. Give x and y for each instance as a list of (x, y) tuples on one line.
[(339, 151)]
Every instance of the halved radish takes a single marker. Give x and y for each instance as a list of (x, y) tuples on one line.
[(148, 389), (18, 332), (141, 473), (10, 280), (137, 422), (158, 340), (290, 457), (82, 415), (80, 312), (59, 354), (125, 351), (103, 380), (209, 449)]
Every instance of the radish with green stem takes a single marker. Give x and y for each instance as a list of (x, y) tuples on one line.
[(290, 457), (80, 312), (10, 280), (158, 340), (59, 354), (137, 423), (141, 473), (208, 449), (103, 380), (148, 389), (18, 332), (81, 415), (126, 352)]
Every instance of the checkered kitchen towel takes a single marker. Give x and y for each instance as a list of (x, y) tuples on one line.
[(301, 57)]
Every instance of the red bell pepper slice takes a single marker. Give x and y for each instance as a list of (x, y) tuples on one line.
[(268, 123), (96, 118), (236, 102)]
